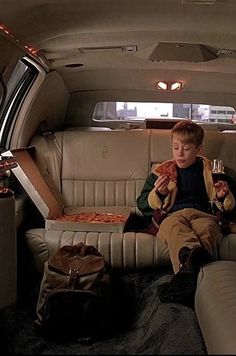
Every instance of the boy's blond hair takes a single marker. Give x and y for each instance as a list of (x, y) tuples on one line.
[(189, 132)]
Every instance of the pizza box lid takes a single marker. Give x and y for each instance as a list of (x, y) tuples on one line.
[(33, 182)]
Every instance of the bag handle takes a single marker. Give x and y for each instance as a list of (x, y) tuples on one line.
[(83, 258)]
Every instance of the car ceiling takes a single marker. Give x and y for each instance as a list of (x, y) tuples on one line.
[(130, 44)]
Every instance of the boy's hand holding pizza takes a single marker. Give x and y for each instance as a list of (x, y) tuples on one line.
[(161, 185), (222, 189)]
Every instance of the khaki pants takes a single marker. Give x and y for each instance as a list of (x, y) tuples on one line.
[(192, 228)]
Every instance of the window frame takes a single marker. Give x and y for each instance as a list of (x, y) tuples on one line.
[(14, 101)]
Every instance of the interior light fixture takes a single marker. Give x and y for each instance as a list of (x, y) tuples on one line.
[(162, 86), (174, 86), (28, 48), (73, 65), (199, 2)]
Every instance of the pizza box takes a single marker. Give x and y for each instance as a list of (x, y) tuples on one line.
[(52, 224), (50, 205)]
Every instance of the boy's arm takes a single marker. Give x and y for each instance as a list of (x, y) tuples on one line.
[(229, 200), (225, 194), (142, 200)]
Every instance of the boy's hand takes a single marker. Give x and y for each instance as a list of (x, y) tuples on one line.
[(222, 189), (161, 185)]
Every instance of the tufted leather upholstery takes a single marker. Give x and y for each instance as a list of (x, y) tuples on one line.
[(123, 251)]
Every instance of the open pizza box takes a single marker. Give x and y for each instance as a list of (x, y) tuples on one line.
[(50, 205)]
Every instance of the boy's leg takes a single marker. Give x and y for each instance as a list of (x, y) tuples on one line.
[(208, 232), (177, 232), (188, 229)]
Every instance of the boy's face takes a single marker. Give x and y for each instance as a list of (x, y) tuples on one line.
[(184, 153)]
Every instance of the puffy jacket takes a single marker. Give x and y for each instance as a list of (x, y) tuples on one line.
[(148, 200)]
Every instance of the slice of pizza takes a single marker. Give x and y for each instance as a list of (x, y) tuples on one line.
[(167, 168)]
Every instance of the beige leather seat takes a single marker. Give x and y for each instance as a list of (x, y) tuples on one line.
[(216, 308), (109, 168), (129, 251)]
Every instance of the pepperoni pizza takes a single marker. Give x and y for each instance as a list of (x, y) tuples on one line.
[(92, 217), (168, 169)]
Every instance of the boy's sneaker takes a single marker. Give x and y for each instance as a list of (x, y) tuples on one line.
[(184, 261), (199, 257), (193, 259), (182, 287)]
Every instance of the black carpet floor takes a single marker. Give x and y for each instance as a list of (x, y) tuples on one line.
[(142, 324)]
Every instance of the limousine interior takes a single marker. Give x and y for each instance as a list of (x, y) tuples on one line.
[(89, 92)]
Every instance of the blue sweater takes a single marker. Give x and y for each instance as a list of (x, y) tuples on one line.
[(191, 189)]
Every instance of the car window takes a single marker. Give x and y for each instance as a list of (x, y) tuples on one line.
[(143, 110), (19, 82)]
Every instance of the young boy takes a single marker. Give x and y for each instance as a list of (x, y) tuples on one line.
[(189, 228)]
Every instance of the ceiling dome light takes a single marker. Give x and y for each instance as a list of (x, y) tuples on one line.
[(176, 86), (162, 86)]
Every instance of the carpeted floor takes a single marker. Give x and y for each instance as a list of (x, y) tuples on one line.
[(142, 324)]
